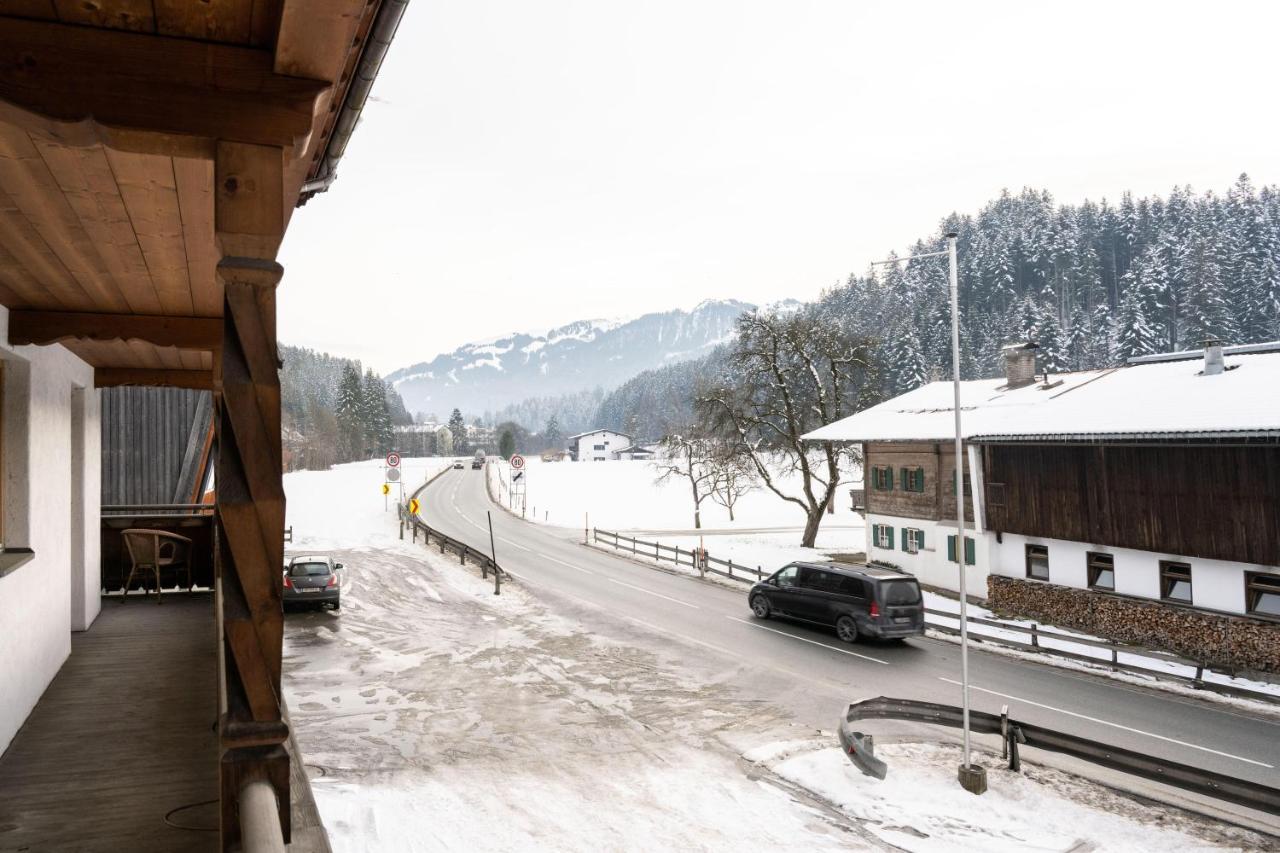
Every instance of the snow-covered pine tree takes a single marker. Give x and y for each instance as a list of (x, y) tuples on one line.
[(1134, 334), (906, 364), (458, 428), (1053, 347), (1077, 341), (348, 407)]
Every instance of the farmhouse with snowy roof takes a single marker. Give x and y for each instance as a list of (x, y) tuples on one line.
[(1107, 500), (600, 445)]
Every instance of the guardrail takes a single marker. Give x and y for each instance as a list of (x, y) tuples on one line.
[(1195, 779), (446, 542), (678, 555), (1037, 634)]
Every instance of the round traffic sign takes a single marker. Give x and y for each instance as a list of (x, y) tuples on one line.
[(393, 475), (393, 460), (517, 461)]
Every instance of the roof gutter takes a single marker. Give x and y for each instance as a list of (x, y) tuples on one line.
[(375, 50)]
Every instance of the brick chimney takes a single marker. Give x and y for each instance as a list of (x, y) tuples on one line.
[(1020, 364)]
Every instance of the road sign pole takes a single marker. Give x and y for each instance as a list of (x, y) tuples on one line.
[(493, 552)]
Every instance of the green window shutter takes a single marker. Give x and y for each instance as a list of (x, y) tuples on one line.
[(889, 529), (920, 539), (920, 480), (969, 546), (888, 478), (904, 539), (951, 548)]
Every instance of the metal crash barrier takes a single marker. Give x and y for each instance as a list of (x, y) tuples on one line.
[(1014, 733)]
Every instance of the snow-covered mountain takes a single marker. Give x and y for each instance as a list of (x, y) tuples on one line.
[(484, 377)]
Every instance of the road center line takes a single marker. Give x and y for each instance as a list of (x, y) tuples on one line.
[(1113, 725), (569, 565), (513, 544), (807, 640), (655, 594)]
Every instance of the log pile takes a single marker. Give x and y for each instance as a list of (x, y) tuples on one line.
[(1234, 643)]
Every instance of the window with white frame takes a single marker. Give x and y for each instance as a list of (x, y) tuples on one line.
[(882, 535), (912, 540)]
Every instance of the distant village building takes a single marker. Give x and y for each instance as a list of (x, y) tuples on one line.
[(600, 445), (1107, 500)]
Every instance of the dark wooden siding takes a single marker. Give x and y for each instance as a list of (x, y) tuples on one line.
[(1213, 502), (153, 444), (936, 501)]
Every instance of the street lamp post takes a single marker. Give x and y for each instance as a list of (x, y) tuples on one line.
[(973, 778)]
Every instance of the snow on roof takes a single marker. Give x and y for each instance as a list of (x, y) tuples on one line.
[(1155, 400), (594, 431)]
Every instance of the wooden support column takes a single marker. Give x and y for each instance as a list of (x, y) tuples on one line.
[(250, 492)]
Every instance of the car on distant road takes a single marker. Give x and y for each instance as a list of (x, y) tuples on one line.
[(457, 466), (312, 580), (858, 601)]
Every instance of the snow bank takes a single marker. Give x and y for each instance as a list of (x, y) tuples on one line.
[(344, 507), (624, 495), (921, 807)]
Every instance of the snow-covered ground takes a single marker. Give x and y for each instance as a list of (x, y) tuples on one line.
[(433, 715), (624, 495), (920, 807)]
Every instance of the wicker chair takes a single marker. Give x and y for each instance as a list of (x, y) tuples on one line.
[(153, 550)]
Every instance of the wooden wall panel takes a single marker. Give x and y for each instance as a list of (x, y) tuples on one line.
[(1213, 502), (936, 502), (150, 192)]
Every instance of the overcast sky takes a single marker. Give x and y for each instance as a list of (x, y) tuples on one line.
[(526, 164)]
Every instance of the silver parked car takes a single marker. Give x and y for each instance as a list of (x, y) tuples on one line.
[(312, 580)]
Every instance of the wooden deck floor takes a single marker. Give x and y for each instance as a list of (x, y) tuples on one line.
[(123, 735)]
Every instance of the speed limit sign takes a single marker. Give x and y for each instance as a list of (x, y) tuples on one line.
[(517, 461), (393, 460)]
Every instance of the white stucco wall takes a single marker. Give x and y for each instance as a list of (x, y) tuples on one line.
[(43, 601), (1215, 584), (931, 565), (612, 441)]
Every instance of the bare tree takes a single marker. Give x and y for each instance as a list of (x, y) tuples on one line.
[(788, 375), (733, 476), (687, 458)]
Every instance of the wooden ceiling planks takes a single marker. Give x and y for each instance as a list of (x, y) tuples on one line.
[(39, 275), (194, 179), (150, 192), (90, 189), (133, 15), (28, 181), (226, 21)]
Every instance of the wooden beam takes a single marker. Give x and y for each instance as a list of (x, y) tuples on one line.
[(110, 377), (48, 327), (147, 93)]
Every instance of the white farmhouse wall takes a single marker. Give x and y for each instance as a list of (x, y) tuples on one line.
[(612, 441), (930, 565), (1215, 584), (46, 599)]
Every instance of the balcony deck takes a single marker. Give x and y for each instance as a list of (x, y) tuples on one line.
[(122, 736)]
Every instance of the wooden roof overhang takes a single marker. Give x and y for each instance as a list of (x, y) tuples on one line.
[(132, 137)]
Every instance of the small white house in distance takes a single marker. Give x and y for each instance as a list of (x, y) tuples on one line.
[(1109, 500), (598, 445)]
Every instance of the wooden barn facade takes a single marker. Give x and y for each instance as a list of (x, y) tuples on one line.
[(152, 156)]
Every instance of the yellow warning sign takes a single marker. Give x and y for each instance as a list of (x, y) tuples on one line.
[(386, 488), (413, 506)]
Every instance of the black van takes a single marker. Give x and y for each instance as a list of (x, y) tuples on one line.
[(859, 601)]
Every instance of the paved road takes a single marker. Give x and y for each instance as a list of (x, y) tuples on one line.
[(814, 675)]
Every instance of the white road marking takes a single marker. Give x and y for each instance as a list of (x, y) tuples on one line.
[(513, 544), (569, 565), (806, 640), (1113, 725), (655, 594)]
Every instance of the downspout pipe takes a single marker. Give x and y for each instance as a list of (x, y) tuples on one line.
[(381, 34)]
